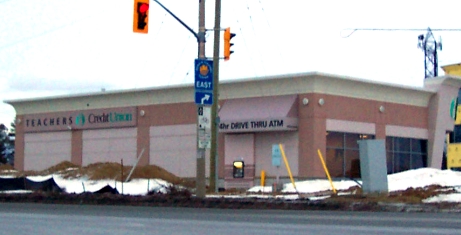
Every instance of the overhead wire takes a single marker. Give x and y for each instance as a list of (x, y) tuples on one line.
[(276, 45), (254, 32), (242, 37), (181, 56), (352, 31), (246, 46), (45, 32), (52, 30), (157, 32)]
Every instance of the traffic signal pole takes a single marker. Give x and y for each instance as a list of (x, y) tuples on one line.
[(200, 184)]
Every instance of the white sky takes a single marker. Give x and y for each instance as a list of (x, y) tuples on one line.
[(399, 181), (53, 47)]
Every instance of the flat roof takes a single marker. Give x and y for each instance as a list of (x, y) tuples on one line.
[(223, 82)]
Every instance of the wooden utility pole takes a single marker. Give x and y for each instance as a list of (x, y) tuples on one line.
[(214, 108)]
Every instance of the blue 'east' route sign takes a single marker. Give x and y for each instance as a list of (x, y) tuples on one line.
[(203, 75)]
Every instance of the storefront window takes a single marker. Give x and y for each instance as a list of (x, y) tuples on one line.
[(402, 161), (352, 164), (417, 160), (405, 154), (335, 140), (343, 159), (335, 161)]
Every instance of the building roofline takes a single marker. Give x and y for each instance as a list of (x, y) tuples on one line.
[(230, 81)]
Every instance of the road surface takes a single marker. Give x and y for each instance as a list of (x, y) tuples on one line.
[(19, 218)]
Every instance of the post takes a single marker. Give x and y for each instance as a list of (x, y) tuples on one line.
[(200, 173), (214, 107), (200, 184), (121, 173)]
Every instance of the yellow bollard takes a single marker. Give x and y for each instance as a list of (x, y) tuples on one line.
[(288, 167), (326, 170), (263, 178)]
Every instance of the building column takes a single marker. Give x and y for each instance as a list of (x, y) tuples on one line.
[(312, 136), (77, 147), (19, 144), (380, 131), (143, 142), (439, 119)]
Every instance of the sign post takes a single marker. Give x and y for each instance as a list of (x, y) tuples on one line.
[(200, 183), (276, 161), (200, 98)]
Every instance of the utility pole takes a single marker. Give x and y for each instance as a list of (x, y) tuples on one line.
[(200, 183), (214, 108)]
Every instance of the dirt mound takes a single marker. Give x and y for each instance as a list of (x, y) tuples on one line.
[(104, 170), (6, 167)]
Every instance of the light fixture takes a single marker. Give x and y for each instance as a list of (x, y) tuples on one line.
[(142, 113), (381, 109), (305, 101), (18, 120), (321, 101)]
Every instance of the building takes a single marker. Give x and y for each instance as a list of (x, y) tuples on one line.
[(304, 112)]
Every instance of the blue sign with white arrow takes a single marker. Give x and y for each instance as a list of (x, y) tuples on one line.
[(203, 98)]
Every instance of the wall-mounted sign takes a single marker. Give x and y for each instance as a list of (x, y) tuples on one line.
[(270, 124), (276, 155), (85, 119)]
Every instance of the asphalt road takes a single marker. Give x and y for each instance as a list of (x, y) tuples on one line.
[(18, 218)]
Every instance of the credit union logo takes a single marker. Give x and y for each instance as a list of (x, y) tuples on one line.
[(80, 119)]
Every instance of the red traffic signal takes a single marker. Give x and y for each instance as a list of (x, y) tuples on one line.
[(143, 8), (141, 16)]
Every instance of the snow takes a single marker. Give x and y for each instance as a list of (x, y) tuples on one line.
[(134, 187), (400, 181)]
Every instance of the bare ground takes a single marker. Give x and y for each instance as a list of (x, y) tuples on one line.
[(103, 170), (350, 199)]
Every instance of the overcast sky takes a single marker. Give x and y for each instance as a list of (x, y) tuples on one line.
[(52, 47)]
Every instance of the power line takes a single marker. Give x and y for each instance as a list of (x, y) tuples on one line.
[(52, 30), (254, 33), (277, 45), (181, 56), (389, 29)]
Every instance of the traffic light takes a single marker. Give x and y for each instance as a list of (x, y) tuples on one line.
[(140, 16), (227, 37)]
